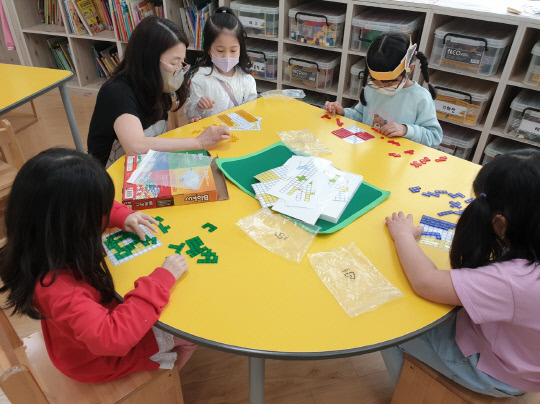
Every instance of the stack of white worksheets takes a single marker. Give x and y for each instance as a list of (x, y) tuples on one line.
[(307, 188)]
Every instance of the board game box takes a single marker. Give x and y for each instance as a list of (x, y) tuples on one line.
[(138, 197)]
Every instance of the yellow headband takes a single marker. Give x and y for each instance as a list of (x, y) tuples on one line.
[(403, 65)]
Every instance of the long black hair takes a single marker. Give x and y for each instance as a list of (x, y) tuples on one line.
[(508, 185), (60, 202), (224, 19), (385, 54), (140, 66)]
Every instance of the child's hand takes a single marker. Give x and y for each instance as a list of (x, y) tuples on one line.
[(196, 119), (401, 226), (205, 103), (394, 129), (212, 136), (334, 108), (176, 264), (135, 219)]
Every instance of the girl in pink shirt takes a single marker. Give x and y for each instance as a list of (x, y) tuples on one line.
[(489, 344), (53, 268)]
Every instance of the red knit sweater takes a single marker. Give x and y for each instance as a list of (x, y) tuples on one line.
[(92, 342)]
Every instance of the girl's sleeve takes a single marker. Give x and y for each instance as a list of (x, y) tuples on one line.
[(105, 332), (119, 213), (250, 88), (356, 113), (196, 90), (426, 130)]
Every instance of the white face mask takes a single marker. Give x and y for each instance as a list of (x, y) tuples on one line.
[(172, 81), (224, 64)]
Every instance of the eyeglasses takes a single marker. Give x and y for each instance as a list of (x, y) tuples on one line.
[(182, 68), (388, 88)]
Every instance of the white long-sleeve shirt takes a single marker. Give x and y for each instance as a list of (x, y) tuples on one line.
[(206, 82), (412, 106)]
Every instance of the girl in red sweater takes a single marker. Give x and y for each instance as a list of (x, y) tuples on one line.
[(53, 268)]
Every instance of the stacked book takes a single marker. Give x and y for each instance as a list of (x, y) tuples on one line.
[(88, 17), (49, 12), (62, 55), (106, 58), (195, 14), (128, 13)]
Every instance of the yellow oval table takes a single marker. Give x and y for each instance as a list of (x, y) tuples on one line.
[(255, 303)]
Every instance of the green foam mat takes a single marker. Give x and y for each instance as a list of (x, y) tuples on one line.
[(242, 171)]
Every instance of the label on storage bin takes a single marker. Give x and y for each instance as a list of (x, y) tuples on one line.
[(529, 127), (464, 56), (252, 22), (450, 109), (258, 67), (303, 75)]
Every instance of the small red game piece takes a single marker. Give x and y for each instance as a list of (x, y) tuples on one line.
[(394, 155), (375, 129), (416, 164), (411, 152), (382, 137), (326, 116), (394, 142), (340, 124), (441, 159), (427, 159)]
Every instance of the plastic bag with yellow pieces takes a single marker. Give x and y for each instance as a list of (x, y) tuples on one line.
[(353, 280), (278, 234), (303, 141)]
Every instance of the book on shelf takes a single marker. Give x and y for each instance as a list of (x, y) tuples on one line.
[(197, 14), (128, 13), (106, 57), (88, 13), (48, 11), (75, 23), (62, 55)]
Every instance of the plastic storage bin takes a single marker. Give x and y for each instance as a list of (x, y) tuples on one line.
[(263, 56), (524, 120), (259, 17), (311, 68), (457, 140), (317, 23), (460, 98), (500, 146), (357, 74), (470, 46), (533, 72), (372, 23)]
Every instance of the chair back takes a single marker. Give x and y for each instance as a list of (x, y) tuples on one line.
[(9, 145)]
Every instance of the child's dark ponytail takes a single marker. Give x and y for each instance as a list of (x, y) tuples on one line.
[(364, 82), (475, 242), (508, 191), (425, 74)]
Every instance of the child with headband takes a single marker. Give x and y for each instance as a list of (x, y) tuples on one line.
[(391, 102)]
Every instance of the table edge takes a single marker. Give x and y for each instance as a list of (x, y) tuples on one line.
[(36, 94), (302, 355)]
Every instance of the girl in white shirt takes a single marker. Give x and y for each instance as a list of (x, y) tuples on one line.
[(223, 80)]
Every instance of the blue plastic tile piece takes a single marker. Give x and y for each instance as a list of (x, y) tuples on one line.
[(414, 190), (441, 191), (469, 200), (433, 234), (455, 204), (460, 195), (428, 194), (441, 224), (446, 212)]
